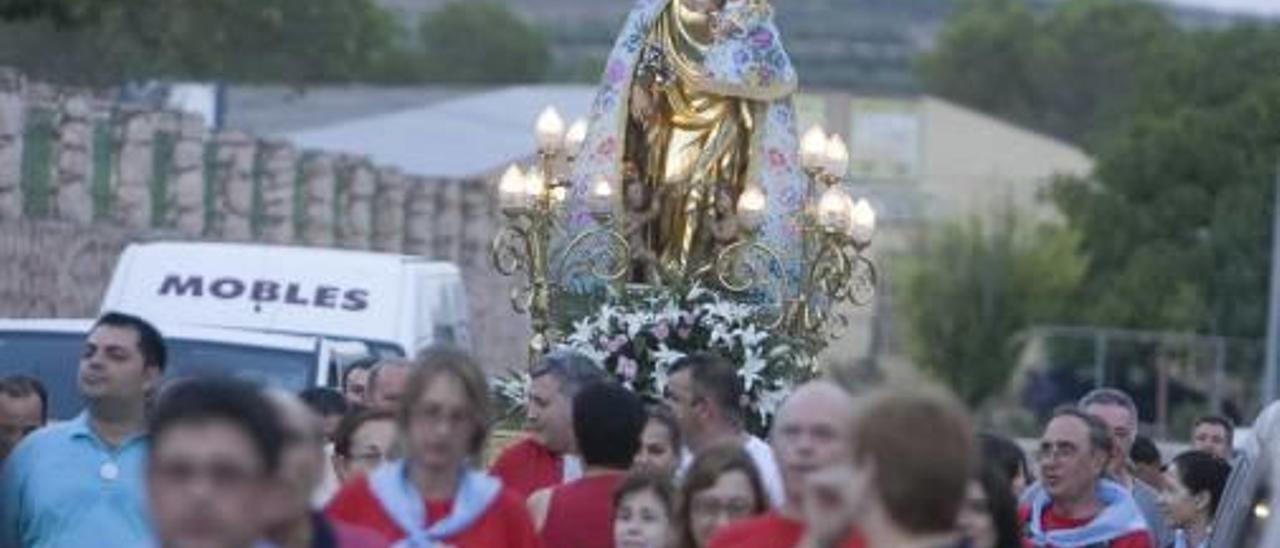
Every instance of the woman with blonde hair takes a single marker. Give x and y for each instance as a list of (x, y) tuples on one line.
[(435, 495)]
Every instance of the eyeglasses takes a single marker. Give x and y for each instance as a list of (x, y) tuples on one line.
[(710, 507), (370, 458), (1060, 451)]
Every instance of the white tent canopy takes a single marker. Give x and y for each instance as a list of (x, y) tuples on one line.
[(465, 137)]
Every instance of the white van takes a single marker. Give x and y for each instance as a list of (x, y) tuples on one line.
[(393, 304), (49, 350)]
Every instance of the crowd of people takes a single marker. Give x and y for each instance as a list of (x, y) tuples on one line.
[(398, 457)]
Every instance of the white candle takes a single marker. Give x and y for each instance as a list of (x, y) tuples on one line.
[(549, 130)]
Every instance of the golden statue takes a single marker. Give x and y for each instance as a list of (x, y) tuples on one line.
[(699, 91)]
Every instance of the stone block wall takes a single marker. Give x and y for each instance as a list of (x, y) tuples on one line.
[(163, 176)]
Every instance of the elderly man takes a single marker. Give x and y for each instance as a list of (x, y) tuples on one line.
[(1116, 410), (1075, 505), (386, 383), (547, 457), (811, 433)]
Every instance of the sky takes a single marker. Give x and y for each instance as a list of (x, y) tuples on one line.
[(1264, 7)]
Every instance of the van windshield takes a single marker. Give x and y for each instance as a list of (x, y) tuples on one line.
[(53, 358)]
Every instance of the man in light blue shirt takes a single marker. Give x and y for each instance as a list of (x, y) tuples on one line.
[(81, 483)]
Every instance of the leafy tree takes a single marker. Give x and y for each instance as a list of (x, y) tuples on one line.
[(106, 41), (478, 41), (970, 287), (1068, 72)]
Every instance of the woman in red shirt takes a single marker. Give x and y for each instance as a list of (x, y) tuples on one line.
[(434, 496)]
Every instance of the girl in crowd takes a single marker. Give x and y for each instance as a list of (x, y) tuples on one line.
[(1008, 458), (989, 515), (1194, 483), (660, 442), (643, 511), (720, 487), (434, 496)]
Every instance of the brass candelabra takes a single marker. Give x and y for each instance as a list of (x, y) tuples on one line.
[(836, 232)]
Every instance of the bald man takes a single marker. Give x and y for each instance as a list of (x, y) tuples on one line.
[(810, 432), (290, 520)]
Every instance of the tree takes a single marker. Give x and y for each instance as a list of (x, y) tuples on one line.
[(1067, 73), (970, 287), (1176, 217), (108, 41), (478, 41)]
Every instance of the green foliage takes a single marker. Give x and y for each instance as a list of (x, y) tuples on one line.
[(1177, 216), (971, 287), (478, 41), (1067, 73), (107, 41)]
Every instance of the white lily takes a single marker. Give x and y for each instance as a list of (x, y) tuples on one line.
[(664, 356)]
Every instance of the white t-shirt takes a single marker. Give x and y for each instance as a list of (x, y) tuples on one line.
[(762, 456)]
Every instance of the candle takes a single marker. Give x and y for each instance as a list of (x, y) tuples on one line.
[(549, 130), (511, 187), (813, 149), (751, 207)]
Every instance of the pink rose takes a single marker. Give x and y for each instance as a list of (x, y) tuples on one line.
[(628, 368), (662, 331)]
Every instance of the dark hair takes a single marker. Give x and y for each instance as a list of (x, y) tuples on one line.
[(352, 423), (573, 370), (436, 361), (922, 447), (1145, 452), (642, 480), (1005, 456), (198, 400), (1002, 505), (23, 386), (664, 416), (1202, 472), (324, 401), (714, 379), (150, 342), (607, 422), (1226, 424), (362, 364), (1099, 436), (704, 472)]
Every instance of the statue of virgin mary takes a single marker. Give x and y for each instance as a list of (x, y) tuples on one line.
[(694, 107)]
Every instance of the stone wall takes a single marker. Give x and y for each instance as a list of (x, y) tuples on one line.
[(162, 176)]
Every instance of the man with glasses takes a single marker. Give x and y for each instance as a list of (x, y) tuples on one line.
[(79, 483), (24, 407), (1074, 505)]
